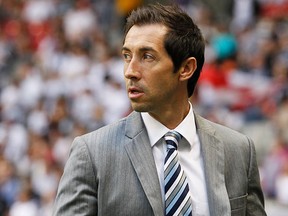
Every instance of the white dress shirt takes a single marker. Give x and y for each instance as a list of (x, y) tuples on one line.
[(190, 158)]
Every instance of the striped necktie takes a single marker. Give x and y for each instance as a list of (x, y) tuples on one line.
[(177, 197)]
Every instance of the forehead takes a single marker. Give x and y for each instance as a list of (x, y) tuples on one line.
[(145, 35)]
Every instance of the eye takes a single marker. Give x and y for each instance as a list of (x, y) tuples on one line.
[(148, 56), (126, 56)]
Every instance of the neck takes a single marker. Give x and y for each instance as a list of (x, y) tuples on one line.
[(171, 118)]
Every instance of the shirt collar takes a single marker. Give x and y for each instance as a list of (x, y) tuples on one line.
[(157, 130)]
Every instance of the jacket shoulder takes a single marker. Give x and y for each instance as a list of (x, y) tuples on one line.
[(117, 132), (221, 132)]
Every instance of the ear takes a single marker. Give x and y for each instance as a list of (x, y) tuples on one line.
[(188, 68)]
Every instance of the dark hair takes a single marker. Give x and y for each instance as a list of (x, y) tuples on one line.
[(183, 39)]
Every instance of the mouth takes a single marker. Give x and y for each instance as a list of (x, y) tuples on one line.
[(134, 92)]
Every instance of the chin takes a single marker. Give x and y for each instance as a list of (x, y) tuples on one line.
[(139, 107)]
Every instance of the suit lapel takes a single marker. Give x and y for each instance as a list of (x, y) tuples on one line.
[(214, 164), (140, 153)]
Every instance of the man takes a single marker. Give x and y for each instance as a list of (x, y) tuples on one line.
[(124, 168)]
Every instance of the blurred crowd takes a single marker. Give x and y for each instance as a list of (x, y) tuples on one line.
[(61, 76)]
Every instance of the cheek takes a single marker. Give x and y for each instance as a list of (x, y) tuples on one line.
[(160, 83)]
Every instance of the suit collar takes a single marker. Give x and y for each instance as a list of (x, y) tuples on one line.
[(134, 125), (214, 167), (140, 153)]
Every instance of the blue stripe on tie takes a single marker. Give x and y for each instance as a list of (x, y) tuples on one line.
[(169, 154), (177, 200), (188, 212), (171, 144), (169, 180)]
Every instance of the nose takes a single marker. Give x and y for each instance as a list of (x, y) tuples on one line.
[(132, 69)]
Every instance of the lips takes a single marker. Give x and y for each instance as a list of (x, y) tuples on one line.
[(134, 92)]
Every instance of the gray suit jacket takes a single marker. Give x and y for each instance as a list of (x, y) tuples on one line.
[(111, 171)]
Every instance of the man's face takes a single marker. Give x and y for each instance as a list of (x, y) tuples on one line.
[(148, 69)]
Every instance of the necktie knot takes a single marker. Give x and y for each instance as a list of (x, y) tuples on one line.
[(172, 139)]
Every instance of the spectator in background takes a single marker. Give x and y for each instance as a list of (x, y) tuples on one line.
[(281, 184), (25, 204), (80, 22), (9, 184)]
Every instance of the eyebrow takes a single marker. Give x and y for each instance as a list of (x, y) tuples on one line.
[(141, 49)]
